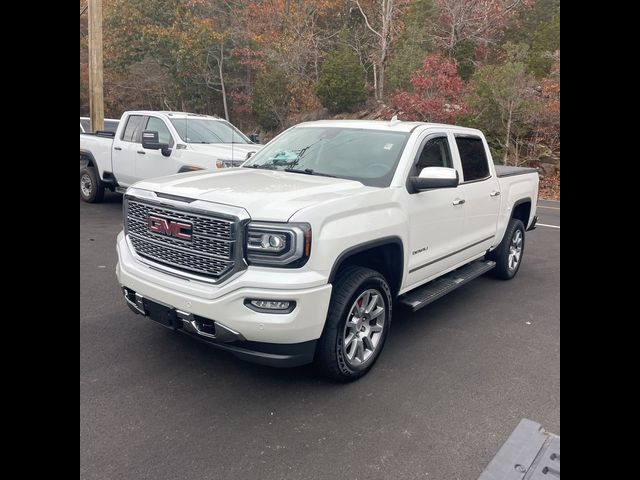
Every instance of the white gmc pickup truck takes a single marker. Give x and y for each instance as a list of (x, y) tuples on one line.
[(301, 254), (150, 144)]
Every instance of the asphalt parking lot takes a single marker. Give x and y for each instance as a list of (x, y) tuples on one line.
[(454, 380)]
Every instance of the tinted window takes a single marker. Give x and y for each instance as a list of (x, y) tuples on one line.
[(157, 125), (133, 130), (86, 124), (435, 153), (473, 157)]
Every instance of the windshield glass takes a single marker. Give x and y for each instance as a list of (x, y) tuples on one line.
[(204, 130), (369, 156)]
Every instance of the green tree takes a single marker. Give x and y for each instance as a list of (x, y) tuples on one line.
[(545, 41), (271, 98), (464, 53), (539, 27), (341, 82), (504, 101), (413, 45)]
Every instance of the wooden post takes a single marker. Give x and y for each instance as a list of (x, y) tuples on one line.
[(96, 103)]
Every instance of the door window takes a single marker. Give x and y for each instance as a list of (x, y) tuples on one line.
[(133, 130), (473, 156), (435, 153), (158, 125)]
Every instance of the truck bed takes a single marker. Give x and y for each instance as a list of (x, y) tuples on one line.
[(507, 171)]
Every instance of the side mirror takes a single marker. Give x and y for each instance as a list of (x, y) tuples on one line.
[(435, 177), (254, 137), (151, 141)]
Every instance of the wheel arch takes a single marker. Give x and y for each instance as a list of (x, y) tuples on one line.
[(384, 255), (522, 210), (87, 159)]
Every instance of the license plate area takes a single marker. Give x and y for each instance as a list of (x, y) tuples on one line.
[(161, 314)]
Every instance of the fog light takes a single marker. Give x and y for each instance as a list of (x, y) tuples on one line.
[(270, 306)]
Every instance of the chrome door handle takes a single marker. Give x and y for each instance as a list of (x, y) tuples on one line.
[(141, 152), (458, 201), (495, 193), (117, 148)]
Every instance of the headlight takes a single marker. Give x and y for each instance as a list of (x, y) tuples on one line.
[(278, 244), (228, 163)]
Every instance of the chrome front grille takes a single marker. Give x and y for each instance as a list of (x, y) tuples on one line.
[(211, 252)]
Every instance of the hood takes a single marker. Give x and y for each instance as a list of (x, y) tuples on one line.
[(225, 151), (264, 194)]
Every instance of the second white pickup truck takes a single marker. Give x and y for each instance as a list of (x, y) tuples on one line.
[(151, 144), (301, 254)]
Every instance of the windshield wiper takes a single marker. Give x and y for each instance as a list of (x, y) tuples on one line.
[(308, 171), (258, 166)]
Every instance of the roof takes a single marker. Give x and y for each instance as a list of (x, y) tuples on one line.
[(173, 114), (393, 125)]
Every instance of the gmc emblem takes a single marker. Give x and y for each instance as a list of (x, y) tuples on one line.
[(170, 228)]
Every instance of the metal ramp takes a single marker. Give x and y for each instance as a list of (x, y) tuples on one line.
[(530, 453), (438, 288)]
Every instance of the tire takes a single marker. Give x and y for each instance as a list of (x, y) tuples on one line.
[(91, 187), (508, 256), (346, 363)]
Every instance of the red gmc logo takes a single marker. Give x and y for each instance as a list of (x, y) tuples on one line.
[(170, 228)]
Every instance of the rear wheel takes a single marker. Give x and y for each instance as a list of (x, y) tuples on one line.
[(357, 324), (508, 255), (91, 188)]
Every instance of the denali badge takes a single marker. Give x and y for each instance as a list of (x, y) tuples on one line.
[(170, 228)]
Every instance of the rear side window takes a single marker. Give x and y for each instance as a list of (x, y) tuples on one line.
[(110, 126), (133, 130), (157, 125), (473, 157)]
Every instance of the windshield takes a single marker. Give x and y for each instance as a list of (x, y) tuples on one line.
[(204, 130), (369, 156)]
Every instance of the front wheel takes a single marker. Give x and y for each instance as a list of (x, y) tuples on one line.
[(357, 324), (508, 255)]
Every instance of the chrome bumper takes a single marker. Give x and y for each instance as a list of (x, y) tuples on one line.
[(186, 320)]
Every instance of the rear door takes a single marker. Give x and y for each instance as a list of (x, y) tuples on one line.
[(481, 192), (151, 163), (124, 150)]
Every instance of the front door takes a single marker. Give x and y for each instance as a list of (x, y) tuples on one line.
[(151, 163), (436, 216)]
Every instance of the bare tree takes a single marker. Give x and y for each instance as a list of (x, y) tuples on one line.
[(387, 12), (217, 83), (473, 20)]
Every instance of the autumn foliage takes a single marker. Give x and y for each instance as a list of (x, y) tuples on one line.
[(438, 93), (489, 64)]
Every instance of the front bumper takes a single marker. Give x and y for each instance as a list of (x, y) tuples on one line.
[(285, 339), (219, 336)]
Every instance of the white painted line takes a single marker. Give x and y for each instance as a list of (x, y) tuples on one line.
[(545, 225), (551, 208)]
